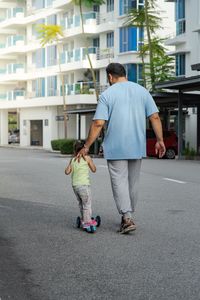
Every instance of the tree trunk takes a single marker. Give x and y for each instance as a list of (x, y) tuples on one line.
[(63, 93), (152, 74), (87, 53)]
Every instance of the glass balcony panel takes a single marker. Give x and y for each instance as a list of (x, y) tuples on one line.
[(3, 96), (3, 71), (77, 54)]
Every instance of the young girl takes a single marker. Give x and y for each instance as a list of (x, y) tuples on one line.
[(81, 183)]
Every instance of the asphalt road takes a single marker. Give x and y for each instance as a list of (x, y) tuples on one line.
[(43, 256)]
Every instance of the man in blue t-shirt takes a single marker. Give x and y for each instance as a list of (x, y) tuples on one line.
[(124, 106)]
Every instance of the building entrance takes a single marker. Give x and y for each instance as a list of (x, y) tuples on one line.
[(36, 133)]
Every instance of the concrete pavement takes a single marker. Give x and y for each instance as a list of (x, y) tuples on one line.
[(43, 255)]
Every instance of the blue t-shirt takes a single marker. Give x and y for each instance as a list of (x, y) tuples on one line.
[(125, 105)]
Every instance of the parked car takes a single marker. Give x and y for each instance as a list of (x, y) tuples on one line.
[(13, 138), (170, 140)]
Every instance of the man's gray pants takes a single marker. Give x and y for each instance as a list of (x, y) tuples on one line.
[(124, 175)]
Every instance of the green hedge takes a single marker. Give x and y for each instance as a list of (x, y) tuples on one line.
[(56, 144), (65, 146)]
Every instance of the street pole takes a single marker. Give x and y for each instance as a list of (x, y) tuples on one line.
[(180, 124)]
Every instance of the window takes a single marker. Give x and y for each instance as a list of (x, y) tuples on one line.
[(134, 72), (140, 79), (34, 26), (126, 5), (96, 42), (131, 72), (128, 39), (38, 4), (49, 3), (52, 20), (38, 58), (180, 64), (96, 8), (51, 55), (110, 5), (51, 86), (140, 37), (38, 86), (180, 16), (110, 39)]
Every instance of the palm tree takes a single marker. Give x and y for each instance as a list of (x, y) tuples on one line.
[(88, 3), (51, 34), (149, 19)]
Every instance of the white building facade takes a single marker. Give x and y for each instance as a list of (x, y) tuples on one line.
[(186, 40), (30, 84)]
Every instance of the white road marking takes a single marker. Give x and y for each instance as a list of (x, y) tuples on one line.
[(174, 180)]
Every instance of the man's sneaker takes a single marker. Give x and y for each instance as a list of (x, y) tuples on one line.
[(127, 225)]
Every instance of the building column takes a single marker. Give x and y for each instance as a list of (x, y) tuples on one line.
[(180, 125), (83, 127), (3, 127), (198, 129)]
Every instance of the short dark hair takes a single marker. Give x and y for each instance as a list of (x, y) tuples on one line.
[(78, 145), (116, 70)]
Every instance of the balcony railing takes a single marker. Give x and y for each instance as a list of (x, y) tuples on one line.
[(16, 95), (77, 54), (3, 96), (12, 95), (3, 70), (75, 21), (2, 45), (78, 88), (15, 68), (82, 88), (81, 54), (16, 12), (14, 40)]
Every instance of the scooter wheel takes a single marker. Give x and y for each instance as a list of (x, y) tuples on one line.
[(78, 222), (98, 220)]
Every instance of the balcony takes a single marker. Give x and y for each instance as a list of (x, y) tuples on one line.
[(175, 40), (15, 68), (16, 95), (80, 54), (16, 13), (82, 88), (3, 96), (13, 95), (15, 40), (3, 71), (14, 44), (89, 18)]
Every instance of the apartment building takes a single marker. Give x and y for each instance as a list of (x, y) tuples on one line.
[(30, 84), (186, 40)]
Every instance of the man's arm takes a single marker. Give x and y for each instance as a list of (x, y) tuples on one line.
[(94, 132), (157, 127)]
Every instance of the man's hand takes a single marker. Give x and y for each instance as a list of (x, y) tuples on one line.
[(82, 153), (160, 149), (94, 132)]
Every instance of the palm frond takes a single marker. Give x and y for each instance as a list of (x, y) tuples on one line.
[(48, 34)]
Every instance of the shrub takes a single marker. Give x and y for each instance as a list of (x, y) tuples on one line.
[(67, 146), (56, 144), (189, 152)]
